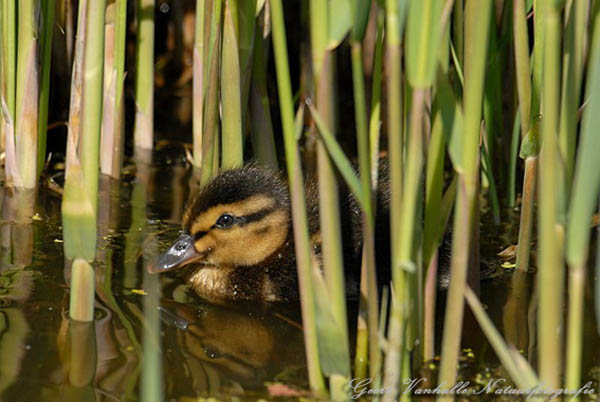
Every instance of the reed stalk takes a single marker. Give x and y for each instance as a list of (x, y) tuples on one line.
[(550, 276), (247, 23), (422, 39), (375, 113), (323, 64), (144, 82), (361, 355), (527, 213), (27, 96), (9, 65), (112, 137), (198, 82), (512, 168), (368, 274), (584, 196), (262, 137), (80, 200), (48, 8), (395, 18), (524, 92), (433, 194), (83, 279), (433, 215), (231, 123), (572, 74), (91, 109), (210, 135), (477, 24), (299, 217), (537, 59), (458, 32)]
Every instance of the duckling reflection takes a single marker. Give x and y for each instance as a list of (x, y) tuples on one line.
[(246, 346), (237, 243)]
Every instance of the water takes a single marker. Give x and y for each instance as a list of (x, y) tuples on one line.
[(201, 349)]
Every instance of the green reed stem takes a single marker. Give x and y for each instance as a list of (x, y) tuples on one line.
[(299, 216), (263, 141), (458, 32), (329, 215), (571, 86), (550, 276), (113, 121), (119, 62), (477, 22), (231, 123), (144, 82), (395, 18), (538, 59), (91, 110), (375, 117), (210, 148), (9, 55), (246, 27), (433, 198), (83, 280), (48, 7), (198, 83), (26, 106), (584, 196), (528, 131), (368, 273), (527, 213), (522, 67), (575, 319), (512, 169)]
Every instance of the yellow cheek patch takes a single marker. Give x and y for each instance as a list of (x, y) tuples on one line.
[(206, 220), (251, 243)]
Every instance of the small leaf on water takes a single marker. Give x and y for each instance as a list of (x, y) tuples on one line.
[(139, 292), (508, 252), (508, 265), (283, 390)]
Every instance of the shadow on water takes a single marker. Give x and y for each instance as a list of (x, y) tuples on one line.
[(198, 349)]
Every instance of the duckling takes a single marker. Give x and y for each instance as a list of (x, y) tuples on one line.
[(238, 244)]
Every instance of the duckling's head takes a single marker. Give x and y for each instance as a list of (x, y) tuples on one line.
[(239, 219)]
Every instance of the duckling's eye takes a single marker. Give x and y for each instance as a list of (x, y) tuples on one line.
[(225, 221)]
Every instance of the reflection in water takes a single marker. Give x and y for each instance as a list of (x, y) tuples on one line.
[(231, 348), (515, 311), (16, 238)]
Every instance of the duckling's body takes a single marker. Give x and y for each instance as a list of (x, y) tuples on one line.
[(238, 241)]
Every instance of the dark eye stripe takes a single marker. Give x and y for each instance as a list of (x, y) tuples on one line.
[(256, 216), (198, 235)]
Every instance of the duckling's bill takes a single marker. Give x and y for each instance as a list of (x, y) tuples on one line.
[(179, 254)]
